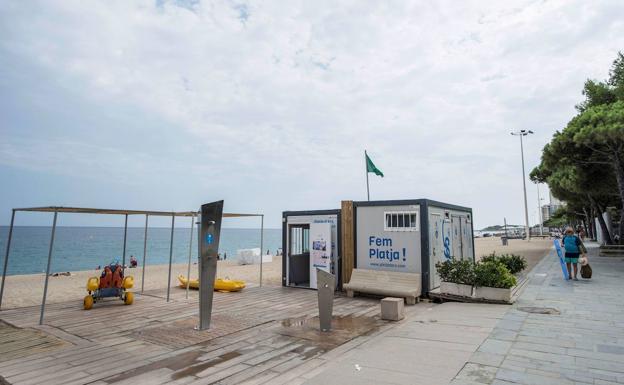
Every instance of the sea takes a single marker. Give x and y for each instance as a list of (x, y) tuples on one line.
[(85, 248)]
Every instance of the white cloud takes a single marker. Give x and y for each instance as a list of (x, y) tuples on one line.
[(284, 96)]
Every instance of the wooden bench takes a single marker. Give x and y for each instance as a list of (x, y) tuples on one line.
[(385, 283)]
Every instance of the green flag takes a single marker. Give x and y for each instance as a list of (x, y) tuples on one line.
[(370, 167)]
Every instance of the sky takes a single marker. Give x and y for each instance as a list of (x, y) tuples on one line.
[(269, 105)]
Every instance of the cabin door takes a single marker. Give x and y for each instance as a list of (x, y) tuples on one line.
[(299, 255), (437, 248), (456, 228)]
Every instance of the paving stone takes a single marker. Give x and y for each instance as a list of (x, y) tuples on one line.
[(530, 379), (584, 344), (613, 349), (490, 359), (473, 373), (492, 345)]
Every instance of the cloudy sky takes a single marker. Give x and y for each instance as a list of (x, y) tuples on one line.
[(270, 104)]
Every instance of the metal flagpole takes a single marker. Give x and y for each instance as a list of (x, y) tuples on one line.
[(45, 286), (123, 260), (144, 254), (188, 271), (170, 255), (366, 168), (261, 244), (6, 257)]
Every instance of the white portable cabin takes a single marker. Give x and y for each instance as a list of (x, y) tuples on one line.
[(400, 235), (411, 236)]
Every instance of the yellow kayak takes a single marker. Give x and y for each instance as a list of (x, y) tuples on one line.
[(220, 284)]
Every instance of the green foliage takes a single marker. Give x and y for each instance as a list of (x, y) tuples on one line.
[(560, 218), (596, 93), (456, 271), (493, 273), (584, 163), (514, 263)]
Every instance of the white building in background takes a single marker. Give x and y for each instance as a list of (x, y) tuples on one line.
[(549, 209)]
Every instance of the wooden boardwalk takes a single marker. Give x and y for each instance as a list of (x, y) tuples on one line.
[(259, 335)]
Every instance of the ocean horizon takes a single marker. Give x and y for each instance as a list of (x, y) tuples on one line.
[(87, 247)]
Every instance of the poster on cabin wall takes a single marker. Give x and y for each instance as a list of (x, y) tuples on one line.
[(320, 249)]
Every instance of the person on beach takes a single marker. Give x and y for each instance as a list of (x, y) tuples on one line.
[(133, 261), (573, 248)]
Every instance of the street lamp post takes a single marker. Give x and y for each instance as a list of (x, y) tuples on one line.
[(539, 210), (522, 133)]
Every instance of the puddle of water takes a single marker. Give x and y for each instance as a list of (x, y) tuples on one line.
[(192, 370), (174, 363), (344, 329), (187, 361), (540, 310)]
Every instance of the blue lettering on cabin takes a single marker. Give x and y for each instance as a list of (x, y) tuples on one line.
[(381, 248)]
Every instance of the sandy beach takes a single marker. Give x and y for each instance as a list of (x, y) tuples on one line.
[(27, 290)]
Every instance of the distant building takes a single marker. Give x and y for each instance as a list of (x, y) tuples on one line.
[(549, 210)]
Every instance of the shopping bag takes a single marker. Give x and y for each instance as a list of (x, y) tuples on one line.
[(586, 271)]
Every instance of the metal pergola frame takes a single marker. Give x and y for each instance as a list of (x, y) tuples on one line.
[(82, 210)]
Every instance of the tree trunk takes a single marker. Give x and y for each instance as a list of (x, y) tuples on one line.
[(588, 224), (603, 225), (593, 224), (619, 177)]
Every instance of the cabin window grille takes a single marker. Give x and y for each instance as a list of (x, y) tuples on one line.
[(401, 221)]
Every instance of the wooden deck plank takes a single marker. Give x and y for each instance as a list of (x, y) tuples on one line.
[(108, 335)]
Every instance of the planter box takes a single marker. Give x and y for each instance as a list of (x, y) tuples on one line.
[(493, 293), (456, 289)]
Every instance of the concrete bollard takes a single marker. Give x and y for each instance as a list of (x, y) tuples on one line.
[(392, 309)]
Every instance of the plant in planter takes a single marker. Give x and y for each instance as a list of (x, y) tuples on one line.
[(493, 281), (514, 263), (457, 277)]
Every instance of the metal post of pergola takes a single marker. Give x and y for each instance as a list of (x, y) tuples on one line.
[(261, 245), (81, 210), (123, 258), (47, 276), (188, 270), (144, 255), (6, 256), (170, 257)]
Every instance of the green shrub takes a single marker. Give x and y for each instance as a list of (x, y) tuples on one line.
[(514, 263), (456, 271), (493, 273)]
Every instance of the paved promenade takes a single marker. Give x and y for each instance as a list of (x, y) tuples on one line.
[(429, 347), (579, 339)]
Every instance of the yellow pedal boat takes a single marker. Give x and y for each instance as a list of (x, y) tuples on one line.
[(219, 285)]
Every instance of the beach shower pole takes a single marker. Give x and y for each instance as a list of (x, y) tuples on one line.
[(144, 255), (45, 286), (170, 255), (188, 270), (6, 257), (261, 244), (123, 259)]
